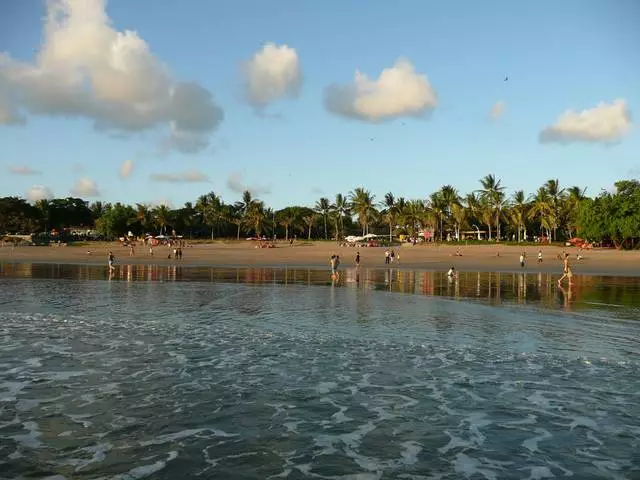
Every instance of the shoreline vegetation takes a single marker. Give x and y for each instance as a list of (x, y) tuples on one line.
[(316, 255), (552, 214)]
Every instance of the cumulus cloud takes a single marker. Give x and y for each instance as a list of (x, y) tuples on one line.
[(272, 73), (39, 192), (498, 109), (604, 123), (235, 184), (85, 187), (190, 176), (125, 169), (399, 91), (86, 68), (23, 170)]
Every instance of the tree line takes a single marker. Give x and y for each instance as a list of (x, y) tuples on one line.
[(552, 213)]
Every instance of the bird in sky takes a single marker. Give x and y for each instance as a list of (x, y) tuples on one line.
[(506, 79)]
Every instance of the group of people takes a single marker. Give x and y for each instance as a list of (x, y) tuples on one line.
[(390, 256)]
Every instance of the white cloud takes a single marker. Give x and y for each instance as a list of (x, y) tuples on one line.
[(39, 192), (190, 176), (605, 123), (272, 73), (88, 69), (23, 170), (235, 184), (498, 109), (125, 169), (399, 91), (85, 187)]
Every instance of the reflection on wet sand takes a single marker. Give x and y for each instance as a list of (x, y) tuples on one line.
[(491, 287)]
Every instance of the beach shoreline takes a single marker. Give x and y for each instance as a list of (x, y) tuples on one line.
[(315, 255)]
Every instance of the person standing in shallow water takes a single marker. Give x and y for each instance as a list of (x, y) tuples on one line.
[(566, 270), (111, 260)]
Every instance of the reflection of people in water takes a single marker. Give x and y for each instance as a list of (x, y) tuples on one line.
[(566, 270), (567, 295)]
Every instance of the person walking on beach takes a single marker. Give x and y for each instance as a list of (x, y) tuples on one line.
[(392, 256), (111, 260), (357, 259), (522, 259), (566, 271), (539, 256), (386, 256)]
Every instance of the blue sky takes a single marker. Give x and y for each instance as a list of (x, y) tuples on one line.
[(559, 56)]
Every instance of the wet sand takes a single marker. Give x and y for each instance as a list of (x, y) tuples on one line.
[(496, 258)]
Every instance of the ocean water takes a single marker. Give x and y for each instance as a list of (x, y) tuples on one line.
[(201, 373)]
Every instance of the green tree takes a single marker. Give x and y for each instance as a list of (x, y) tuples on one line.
[(114, 222), (212, 211), (323, 207), (519, 206), (492, 193), (341, 209), (362, 203), (161, 217)]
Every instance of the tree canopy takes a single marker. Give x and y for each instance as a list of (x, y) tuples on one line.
[(552, 212)]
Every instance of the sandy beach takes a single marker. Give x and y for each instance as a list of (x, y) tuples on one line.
[(496, 258)]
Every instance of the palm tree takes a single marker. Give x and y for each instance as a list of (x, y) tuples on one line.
[(323, 207), (286, 219), (211, 209), (341, 210), (254, 216), (235, 214), (542, 210), (309, 220), (556, 195), (459, 215), (161, 216), (270, 214), (493, 193), (449, 196), (362, 202), (574, 196), (437, 207), (142, 217), (414, 216), (485, 215), (191, 217), (45, 212), (519, 212), (472, 209), (389, 212)]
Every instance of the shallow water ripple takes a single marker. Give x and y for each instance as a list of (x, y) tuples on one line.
[(272, 382)]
